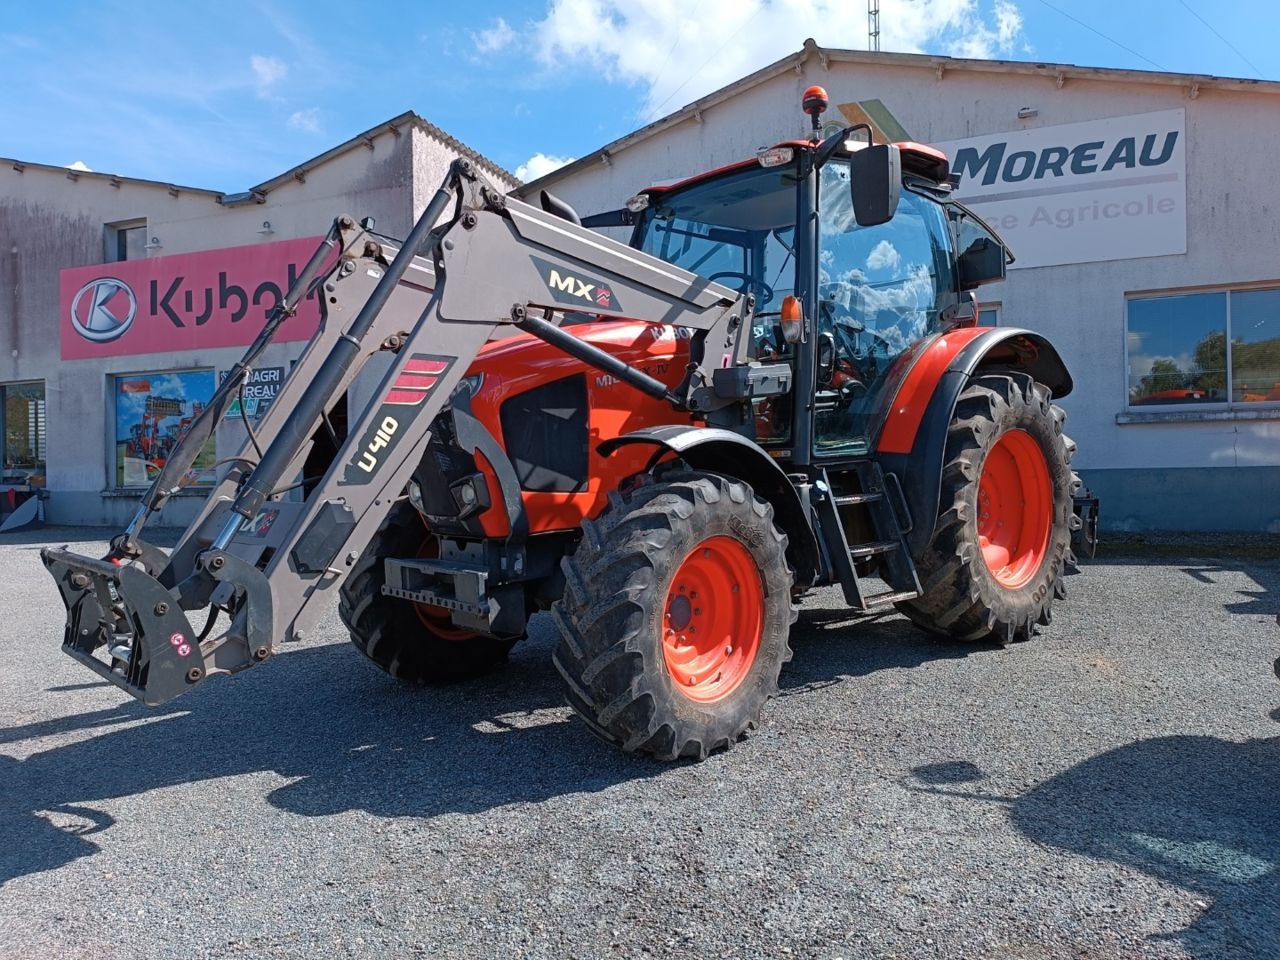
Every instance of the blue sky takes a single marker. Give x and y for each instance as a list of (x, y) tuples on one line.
[(227, 95)]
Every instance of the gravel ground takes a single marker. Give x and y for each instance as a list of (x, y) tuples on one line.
[(1108, 790)]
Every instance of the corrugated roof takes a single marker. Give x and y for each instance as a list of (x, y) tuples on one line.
[(940, 65), (392, 126), (115, 178)]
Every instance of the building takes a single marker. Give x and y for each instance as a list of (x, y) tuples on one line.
[(1143, 210), (121, 301)]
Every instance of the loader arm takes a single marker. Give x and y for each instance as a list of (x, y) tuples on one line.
[(271, 544)]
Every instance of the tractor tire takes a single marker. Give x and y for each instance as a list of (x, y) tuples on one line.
[(676, 616), (1002, 539), (410, 641)]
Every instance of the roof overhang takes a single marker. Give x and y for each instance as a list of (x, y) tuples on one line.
[(1059, 73)]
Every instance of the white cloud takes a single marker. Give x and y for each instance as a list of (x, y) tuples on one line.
[(985, 42), (79, 165), (883, 256), (539, 165), (307, 121), (495, 38), (267, 72), (681, 51)]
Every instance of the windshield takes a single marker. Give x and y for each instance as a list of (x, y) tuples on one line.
[(736, 230)]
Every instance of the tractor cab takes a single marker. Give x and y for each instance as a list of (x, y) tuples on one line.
[(843, 303)]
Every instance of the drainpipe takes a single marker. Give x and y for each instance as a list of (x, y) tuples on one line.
[(13, 299)]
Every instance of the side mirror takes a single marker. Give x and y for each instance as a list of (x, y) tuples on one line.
[(982, 262), (875, 177), (826, 358)]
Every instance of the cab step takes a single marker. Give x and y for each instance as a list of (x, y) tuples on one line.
[(876, 505)]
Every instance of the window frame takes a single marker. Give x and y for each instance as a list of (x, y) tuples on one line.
[(113, 235), (1182, 408), (42, 451)]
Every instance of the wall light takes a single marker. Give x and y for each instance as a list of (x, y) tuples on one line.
[(266, 230), (1026, 113), (152, 244)]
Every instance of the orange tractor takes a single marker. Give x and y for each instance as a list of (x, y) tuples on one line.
[(778, 384)]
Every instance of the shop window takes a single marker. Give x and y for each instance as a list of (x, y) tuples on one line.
[(153, 411), (22, 423), (126, 240), (1255, 346), (1216, 347)]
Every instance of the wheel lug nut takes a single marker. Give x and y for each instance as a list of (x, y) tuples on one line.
[(692, 680), (728, 650)]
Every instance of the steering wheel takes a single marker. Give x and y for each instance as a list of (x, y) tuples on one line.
[(764, 292)]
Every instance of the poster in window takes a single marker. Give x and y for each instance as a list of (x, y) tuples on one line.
[(153, 413)]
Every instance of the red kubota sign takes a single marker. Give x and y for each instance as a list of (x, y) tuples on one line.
[(218, 298)]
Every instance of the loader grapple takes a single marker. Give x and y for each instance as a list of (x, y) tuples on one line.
[(125, 612)]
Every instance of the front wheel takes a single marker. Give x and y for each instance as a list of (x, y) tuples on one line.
[(413, 642), (675, 617), (1003, 534)]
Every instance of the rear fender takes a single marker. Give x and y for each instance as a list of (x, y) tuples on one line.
[(729, 454), (912, 441)]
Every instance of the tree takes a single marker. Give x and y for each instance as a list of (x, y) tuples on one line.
[(1165, 375)]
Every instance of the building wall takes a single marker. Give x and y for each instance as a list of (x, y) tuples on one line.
[(50, 222), (1185, 470)]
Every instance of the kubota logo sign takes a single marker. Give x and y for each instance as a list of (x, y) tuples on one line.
[(103, 309), (1108, 189), (217, 298)]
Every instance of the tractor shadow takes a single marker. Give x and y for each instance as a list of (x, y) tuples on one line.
[(1197, 812), (349, 737), (352, 739), (832, 644)]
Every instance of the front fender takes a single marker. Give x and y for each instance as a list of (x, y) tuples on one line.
[(730, 454), (913, 436)]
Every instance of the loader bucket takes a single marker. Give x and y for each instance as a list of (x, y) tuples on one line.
[(125, 626)]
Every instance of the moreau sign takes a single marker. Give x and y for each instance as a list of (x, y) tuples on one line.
[(1110, 189)]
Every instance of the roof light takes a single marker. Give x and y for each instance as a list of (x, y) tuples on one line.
[(637, 203), (775, 156)]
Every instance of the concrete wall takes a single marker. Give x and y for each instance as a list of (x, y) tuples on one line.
[(49, 222), (1233, 237)]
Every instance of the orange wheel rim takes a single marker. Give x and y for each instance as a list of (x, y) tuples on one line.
[(713, 620), (438, 619), (1015, 509)]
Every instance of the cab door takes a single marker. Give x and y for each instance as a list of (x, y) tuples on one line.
[(880, 290)]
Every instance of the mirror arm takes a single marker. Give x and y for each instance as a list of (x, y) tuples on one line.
[(836, 141)]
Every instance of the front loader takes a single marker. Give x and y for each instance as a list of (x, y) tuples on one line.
[(777, 385)]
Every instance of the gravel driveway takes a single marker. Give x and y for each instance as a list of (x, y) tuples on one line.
[(1111, 789)]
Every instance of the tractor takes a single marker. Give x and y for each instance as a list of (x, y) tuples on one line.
[(778, 384)]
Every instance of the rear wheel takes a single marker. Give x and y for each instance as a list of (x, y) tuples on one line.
[(413, 642), (1002, 537), (675, 617)]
